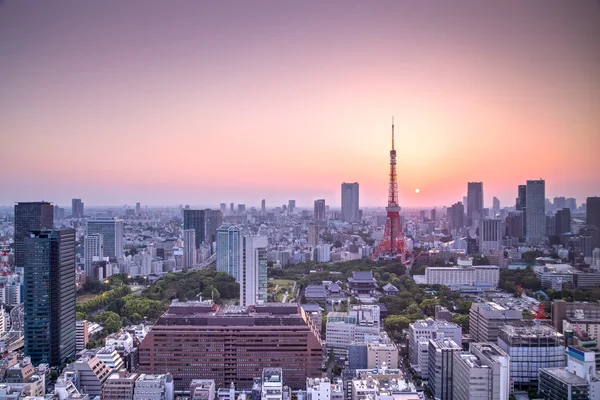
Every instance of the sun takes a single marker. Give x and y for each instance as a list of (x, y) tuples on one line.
[(417, 190)]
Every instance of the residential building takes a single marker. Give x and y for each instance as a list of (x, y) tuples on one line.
[(474, 202), (205, 224), (49, 304), (229, 250), (272, 384), (109, 356), (154, 387), (313, 235), (385, 384), (345, 328), (420, 332), (531, 347), (536, 212), (381, 354), (481, 373), (77, 208), (202, 389), (81, 334), (486, 319), (319, 211), (321, 389), (236, 334), (119, 386), (31, 216), (189, 249), (92, 247), (441, 367), (89, 374), (111, 230), (350, 205)]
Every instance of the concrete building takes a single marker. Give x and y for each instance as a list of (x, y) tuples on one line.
[(238, 335), (253, 270), (319, 212), (491, 232), (420, 332), (202, 389), (474, 203), (190, 253), (81, 334), (350, 205), (111, 358), (457, 277), (229, 249), (380, 354), (536, 212), (77, 208), (313, 235), (562, 310), (111, 230), (272, 384), (531, 347), (385, 384), (482, 373), (345, 328), (441, 367), (486, 319), (119, 386), (154, 387), (205, 224), (578, 381), (93, 247), (29, 217), (88, 374)]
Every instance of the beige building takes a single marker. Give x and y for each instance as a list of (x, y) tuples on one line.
[(380, 353), (119, 386)]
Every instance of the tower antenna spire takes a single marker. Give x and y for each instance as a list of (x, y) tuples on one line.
[(392, 132)]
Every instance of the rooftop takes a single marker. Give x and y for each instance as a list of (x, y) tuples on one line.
[(565, 376)]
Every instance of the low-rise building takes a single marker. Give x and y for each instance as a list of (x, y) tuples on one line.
[(440, 367), (154, 387), (81, 334), (88, 374), (202, 389), (119, 386), (272, 384)]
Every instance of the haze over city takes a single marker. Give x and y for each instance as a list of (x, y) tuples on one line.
[(199, 103)]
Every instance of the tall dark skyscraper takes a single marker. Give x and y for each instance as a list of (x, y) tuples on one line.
[(320, 209), (204, 222), (474, 201), (263, 206), (456, 215), (49, 287), (77, 208), (522, 205), (592, 219), (350, 205), (535, 217), (28, 217), (563, 221)]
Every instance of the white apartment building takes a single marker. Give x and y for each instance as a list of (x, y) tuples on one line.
[(272, 384), (463, 276), (93, 246), (154, 387), (420, 332), (344, 328)]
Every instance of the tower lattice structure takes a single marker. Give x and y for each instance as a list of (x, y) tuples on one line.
[(392, 244)]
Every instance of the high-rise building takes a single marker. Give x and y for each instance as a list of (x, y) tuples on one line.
[(536, 212), (263, 206), (223, 208), (189, 249), (486, 319), (418, 341), (490, 235), (313, 235), (241, 208), (77, 208), (481, 373), (563, 221), (93, 246), (29, 217), (49, 287), (522, 205), (231, 207), (441, 367), (496, 205), (111, 229), (514, 224), (474, 202), (433, 214), (350, 205), (205, 223), (456, 216), (81, 334), (229, 250), (291, 206), (319, 210), (245, 340), (592, 219), (253, 271), (59, 213), (138, 208)]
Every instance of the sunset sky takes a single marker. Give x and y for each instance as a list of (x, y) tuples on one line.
[(198, 102)]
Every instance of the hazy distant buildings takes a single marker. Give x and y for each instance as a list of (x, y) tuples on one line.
[(496, 205), (49, 287), (319, 210), (77, 208), (456, 216), (205, 223), (111, 230), (350, 205), (263, 206), (291, 206), (535, 212), (241, 208), (562, 221), (28, 217), (189, 249), (313, 235), (93, 246), (474, 202)]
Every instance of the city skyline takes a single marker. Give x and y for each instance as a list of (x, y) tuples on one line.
[(204, 103)]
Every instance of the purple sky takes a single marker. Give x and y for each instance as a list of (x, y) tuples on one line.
[(202, 102)]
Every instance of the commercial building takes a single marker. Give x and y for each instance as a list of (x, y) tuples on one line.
[(486, 319), (154, 387), (388, 383), (592, 219), (77, 210), (456, 277), (202, 389), (531, 346), (350, 205), (49, 287), (111, 230), (190, 254), (119, 386), (319, 212), (474, 202), (441, 367), (574, 311), (93, 247), (204, 222), (536, 212), (578, 381), (232, 344), (229, 249), (554, 276), (456, 215), (253, 271), (31, 216), (345, 328), (420, 332), (88, 374), (491, 232), (323, 389), (481, 373), (381, 354)]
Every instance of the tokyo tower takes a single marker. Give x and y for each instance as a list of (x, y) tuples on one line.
[(392, 244)]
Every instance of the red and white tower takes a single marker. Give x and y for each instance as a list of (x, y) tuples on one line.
[(392, 244)]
